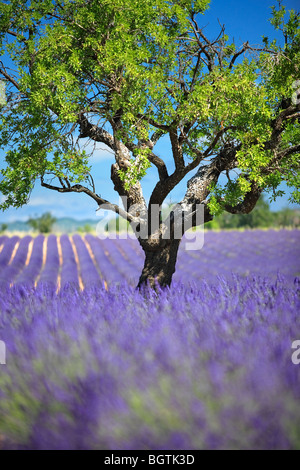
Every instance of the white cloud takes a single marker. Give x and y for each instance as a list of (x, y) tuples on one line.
[(98, 152), (50, 199)]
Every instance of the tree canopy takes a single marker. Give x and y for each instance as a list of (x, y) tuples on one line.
[(145, 68)]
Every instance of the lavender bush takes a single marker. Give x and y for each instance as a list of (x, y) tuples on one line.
[(202, 365)]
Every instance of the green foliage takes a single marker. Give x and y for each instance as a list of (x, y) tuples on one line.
[(136, 60), (288, 217), (42, 224), (137, 169)]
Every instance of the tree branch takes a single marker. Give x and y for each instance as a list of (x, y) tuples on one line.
[(176, 150), (219, 134), (78, 188), (237, 54), (198, 32), (160, 165), (134, 195), (163, 188), (153, 123), (289, 151), (226, 159), (155, 137), (95, 133), (9, 78), (249, 202), (196, 69)]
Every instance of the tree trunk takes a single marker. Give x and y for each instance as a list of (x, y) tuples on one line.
[(159, 264)]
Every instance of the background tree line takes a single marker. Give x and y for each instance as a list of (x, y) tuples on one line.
[(260, 217)]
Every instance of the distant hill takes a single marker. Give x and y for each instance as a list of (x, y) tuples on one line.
[(65, 225)]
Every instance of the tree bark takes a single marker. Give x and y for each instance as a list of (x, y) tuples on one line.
[(159, 264)]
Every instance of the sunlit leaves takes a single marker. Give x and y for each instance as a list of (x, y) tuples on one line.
[(69, 164), (138, 168)]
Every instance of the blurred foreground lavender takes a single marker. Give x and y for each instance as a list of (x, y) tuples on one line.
[(199, 367)]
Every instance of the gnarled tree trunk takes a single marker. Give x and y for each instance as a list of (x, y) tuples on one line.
[(159, 264)]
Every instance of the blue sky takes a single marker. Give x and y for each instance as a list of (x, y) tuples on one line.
[(243, 21)]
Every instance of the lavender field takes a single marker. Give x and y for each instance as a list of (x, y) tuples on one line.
[(91, 363)]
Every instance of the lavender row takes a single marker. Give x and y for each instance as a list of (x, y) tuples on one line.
[(109, 271), (245, 253), (2, 239), (69, 272), (9, 272), (131, 252), (127, 270), (7, 250), (88, 271), (31, 272), (49, 274)]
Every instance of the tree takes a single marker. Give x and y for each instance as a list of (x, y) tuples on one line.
[(42, 224), (127, 73)]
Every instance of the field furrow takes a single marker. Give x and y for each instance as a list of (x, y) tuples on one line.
[(49, 273), (88, 272), (7, 250), (108, 271), (17, 261), (33, 263)]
